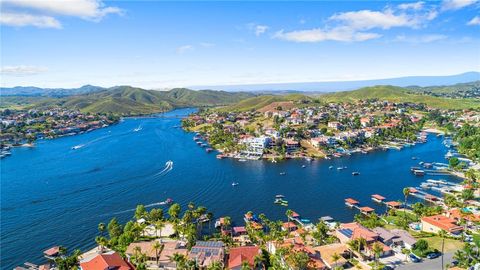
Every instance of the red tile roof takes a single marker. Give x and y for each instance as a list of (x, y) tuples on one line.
[(443, 222), (104, 261), (393, 204), (379, 197), (366, 209), (240, 254), (351, 201), (53, 251)]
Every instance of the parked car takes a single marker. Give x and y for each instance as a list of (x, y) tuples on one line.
[(434, 255), (414, 258)]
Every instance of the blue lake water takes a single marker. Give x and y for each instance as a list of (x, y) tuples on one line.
[(53, 195)]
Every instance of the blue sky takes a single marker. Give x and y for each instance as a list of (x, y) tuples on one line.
[(157, 44)]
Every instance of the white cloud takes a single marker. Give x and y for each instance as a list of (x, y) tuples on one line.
[(344, 34), (87, 9), (258, 29), (414, 6), (474, 21), (43, 13), (457, 4), (22, 70), (358, 25), (24, 19), (420, 39), (207, 44), (367, 19), (185, 48)]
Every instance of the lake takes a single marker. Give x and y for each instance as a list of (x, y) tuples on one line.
[(55, 195)]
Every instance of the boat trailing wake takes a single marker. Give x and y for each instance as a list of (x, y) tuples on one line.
[(90, 142), (166, 202), (167, 169)]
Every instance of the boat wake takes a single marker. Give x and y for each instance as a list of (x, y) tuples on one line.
[(138, 128), (167, 169), (166, 202), (76, 147)]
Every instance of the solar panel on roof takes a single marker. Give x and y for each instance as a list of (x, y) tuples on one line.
[(347, 232)]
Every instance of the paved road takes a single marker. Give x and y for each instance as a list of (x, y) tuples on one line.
[(427, 264)]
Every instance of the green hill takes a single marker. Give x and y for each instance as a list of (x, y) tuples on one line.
[(127, 100), (399, 94), (255, 103)]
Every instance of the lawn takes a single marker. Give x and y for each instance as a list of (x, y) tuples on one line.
[(435, 242)]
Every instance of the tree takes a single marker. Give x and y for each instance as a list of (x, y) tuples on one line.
[(354, 245), (114, 228), (335, 258), (298, 260), (140, 212), (406, 192), (157, 247), (245, 265), (174, 211), (421, 246), (377, 251), (101, 228), (453, 162), (216, 265), (155, 214)]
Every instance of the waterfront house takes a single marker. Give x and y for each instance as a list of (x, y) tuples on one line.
[(109, 260), (351, 231), (207, 252), (395, 237), (435, 224), (386, 250), (239, 255), (291, 145), (327, 253), (164, 253)]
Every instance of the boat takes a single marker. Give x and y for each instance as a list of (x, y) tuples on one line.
[(208, 150), (281, 202), (235, 184), (419, 172), (203, 145), (199, 143), (169, 201), (279, 196), (242, 160), (283, 173), (220, 156), (303, 166), (355, 173), (330, 167), (138, 129), (339, 168), (414, 158), (77, 147)]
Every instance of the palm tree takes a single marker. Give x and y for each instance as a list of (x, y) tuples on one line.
[(158, 225), (335, 258), (362, 242), (406, 192), (442, 234), (245, 266), (258, 261), (377, 250), (353, 246), (289, 214), (101, 228), (158, 249)]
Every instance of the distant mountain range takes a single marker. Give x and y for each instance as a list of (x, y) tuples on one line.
[(336, 86), (127, 100)]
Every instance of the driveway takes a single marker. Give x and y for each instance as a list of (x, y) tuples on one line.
[(427, 264)]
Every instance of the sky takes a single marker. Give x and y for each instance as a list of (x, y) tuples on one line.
[(160, 44)]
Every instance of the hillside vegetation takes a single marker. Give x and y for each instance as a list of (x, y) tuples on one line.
[(258, 102), (127, 100), (399, 94)]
